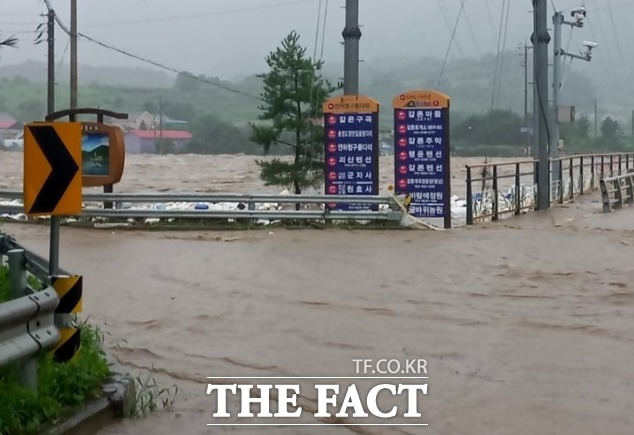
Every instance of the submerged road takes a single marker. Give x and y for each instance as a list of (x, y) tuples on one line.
[(526, 324)]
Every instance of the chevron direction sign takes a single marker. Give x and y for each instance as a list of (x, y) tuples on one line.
[(52, 168)]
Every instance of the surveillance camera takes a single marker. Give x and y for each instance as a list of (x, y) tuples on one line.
[(579, 14), (589, 44)]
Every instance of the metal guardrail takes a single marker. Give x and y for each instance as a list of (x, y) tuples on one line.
[(96, 205), (618, 191), (35, 264), (511, 187), (27, 321), (26, 326)]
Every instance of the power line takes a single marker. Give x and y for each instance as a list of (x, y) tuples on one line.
[(475, 40), (323, 33), (149, 61), (506, 28), (168, 68), (448, 24), (453, 34), (198, 15), (618, 40), (492, 26), (497, 57), (605, 50)]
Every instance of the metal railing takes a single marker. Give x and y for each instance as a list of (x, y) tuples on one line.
[(617, 191), (511, 187), (383, 208), (27, 321)]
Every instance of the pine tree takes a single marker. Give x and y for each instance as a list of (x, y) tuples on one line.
[(293, 95)]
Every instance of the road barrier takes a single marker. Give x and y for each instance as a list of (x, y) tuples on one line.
[(511, 187), (35, 320), (617, 191), (383, 208)]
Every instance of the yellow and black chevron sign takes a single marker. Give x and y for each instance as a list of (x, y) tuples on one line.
[(69, 291), (52, 168)]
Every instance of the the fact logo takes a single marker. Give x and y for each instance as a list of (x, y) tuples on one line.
[(373, 399)]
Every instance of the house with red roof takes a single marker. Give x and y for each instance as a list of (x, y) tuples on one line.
[(145, 141)]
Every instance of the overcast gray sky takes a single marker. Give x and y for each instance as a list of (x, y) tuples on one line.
[(231, 37)]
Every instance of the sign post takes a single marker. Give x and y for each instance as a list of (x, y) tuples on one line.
[(422, 153), (351, 125)]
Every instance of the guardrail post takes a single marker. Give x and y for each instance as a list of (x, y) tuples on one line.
[(605, 195), (17, 276), (561, 182), (572, 179), (536, 186), (629, 183), (620, 164), (495, 194), (107, 189), (602, 174), (518, 190), (583, 181), (611, 165), (469, 198)]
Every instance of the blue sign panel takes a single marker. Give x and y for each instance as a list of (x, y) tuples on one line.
[(421, 160), (352, 156)]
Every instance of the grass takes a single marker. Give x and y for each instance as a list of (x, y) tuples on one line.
[(62, 387)]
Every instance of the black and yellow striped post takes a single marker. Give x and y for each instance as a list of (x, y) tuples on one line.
[(69, 291), (407, 201)]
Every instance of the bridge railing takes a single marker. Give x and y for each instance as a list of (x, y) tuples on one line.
[(617, 191), (495, 190)]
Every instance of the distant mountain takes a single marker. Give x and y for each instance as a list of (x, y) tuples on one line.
[(132, 77)]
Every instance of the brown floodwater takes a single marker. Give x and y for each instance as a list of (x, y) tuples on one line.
[(526, 325)]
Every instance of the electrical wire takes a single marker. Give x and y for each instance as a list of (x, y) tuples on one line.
[(448, 24), (602, 54), (198, 15), (323, 32), (312, 109), (453, 35), (497, 58), (168, 68), (149, 61), (473, 37), (506, 28), (491, 25), (616, 35)]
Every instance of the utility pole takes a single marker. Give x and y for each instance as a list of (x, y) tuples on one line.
[(558, 21), (50, 108), (50, 100), (540, 40), (73, 54), (526, 129), (351, 35)]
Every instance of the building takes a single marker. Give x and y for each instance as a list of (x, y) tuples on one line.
[(135, 121), (145, 141), (9, 127)]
